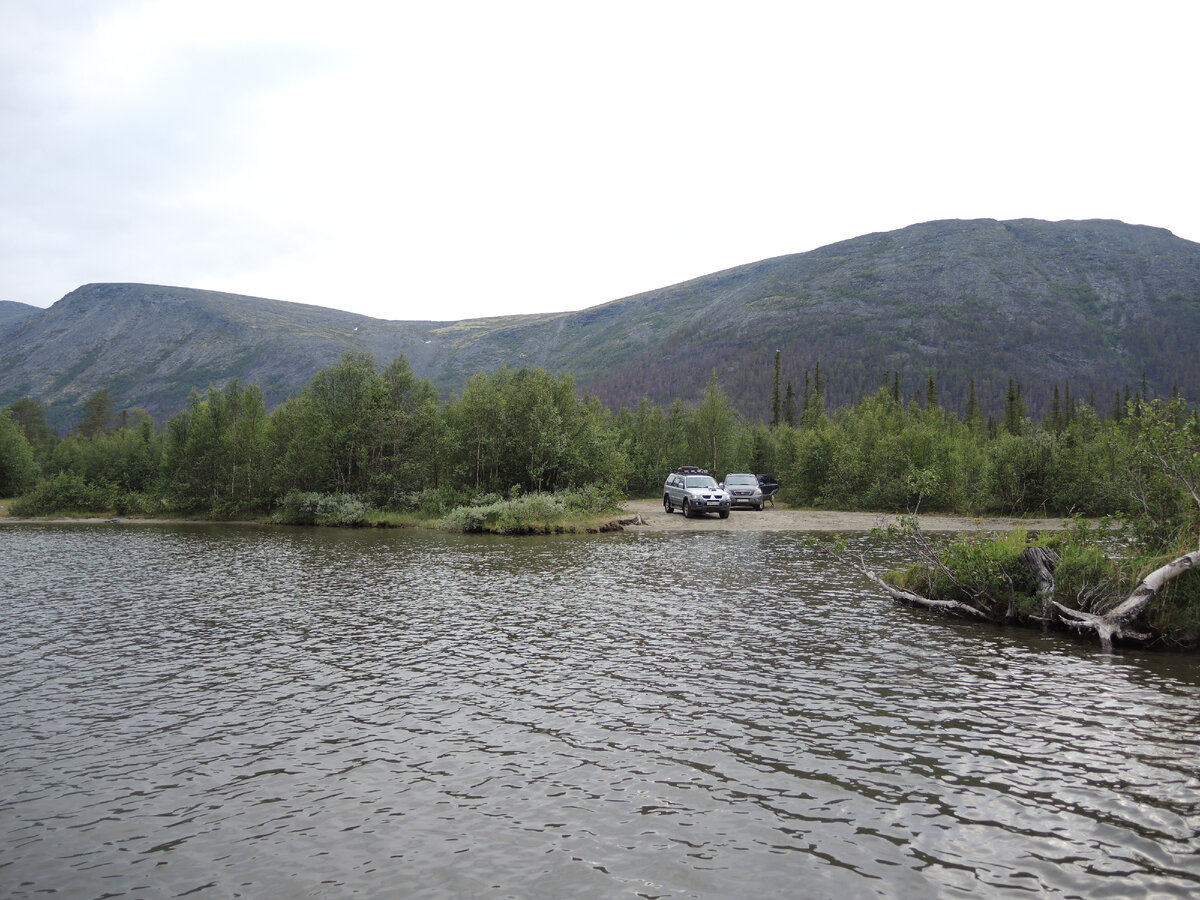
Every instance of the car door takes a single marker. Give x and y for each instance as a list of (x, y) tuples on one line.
[(674, 488)]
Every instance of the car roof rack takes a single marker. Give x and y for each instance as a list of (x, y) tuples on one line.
[(690, 470)]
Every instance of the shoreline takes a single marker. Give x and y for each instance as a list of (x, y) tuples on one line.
[(782, 518), (648, 515)]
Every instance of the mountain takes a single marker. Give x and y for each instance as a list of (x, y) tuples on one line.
[(1098, 303), (11, 312)]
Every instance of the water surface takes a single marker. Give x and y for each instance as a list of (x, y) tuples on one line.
[(210, 711)]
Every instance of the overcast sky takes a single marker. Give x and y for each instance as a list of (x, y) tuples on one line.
[(454, 159)]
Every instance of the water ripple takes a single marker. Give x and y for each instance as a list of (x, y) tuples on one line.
[(244, 712)]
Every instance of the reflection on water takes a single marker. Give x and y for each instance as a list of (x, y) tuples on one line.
[(314, 713)]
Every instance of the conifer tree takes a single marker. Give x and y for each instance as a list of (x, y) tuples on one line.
[(1014, 409), (973, 418), (775, 411)]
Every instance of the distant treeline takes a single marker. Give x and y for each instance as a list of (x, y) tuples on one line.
[(385, 437)]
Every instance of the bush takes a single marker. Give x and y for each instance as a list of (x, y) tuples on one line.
[(310, 508), (1175, 613), (65, 492), (431, 502), (987, 573), (593, 499), (527, 514), (132, 503)]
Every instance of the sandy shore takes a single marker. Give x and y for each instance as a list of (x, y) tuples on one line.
[(781, 518)]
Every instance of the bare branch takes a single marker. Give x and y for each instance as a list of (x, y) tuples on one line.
[(1115, 622), (908, 598)]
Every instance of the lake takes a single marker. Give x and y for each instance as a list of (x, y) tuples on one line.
[(219, 711)]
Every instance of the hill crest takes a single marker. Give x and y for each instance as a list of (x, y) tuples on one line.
[(1093, 302)]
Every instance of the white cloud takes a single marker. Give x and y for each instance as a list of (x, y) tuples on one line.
[(443, 160)]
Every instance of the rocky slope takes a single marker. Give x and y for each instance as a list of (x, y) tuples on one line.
[(1097, 303)]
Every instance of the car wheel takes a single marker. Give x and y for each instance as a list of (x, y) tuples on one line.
[(667, 507), (687, 508), (724, 514)]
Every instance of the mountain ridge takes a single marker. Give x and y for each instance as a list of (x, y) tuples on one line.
[(1093, 302)]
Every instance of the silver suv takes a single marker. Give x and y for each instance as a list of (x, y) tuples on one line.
[(694, 491), (744, 490)]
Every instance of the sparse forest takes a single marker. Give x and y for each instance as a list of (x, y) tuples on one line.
[(385, 437)]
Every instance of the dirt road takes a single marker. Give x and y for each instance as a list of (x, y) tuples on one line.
[(781, 518)]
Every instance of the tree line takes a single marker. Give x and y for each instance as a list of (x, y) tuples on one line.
[(381, 435), (385, 436)]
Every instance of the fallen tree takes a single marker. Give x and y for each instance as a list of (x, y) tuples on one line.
[(1116, 622), (997, 597)]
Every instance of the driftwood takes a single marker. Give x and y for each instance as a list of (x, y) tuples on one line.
[(1041, 562), (1115, 622), (907, 598)]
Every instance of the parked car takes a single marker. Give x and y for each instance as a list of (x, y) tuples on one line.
[(695, 492), (743, 490)]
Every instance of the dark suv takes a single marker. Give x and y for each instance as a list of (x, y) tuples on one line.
[(744, 490), (694, 491)]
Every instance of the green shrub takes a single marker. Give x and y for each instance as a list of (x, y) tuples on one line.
[(311, 508), (593, 499), (525, 514), (1175, 612), (985, 571), (65, 492), (133, 503), (431, 502), (1085, 578)]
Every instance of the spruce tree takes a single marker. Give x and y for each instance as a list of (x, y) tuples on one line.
[(1014, 409), (775, 394), (973, 418)]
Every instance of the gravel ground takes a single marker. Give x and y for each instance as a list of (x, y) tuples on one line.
[(781, 518)]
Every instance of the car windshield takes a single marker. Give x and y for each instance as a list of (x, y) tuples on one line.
[(699, 481), (740, 479)]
